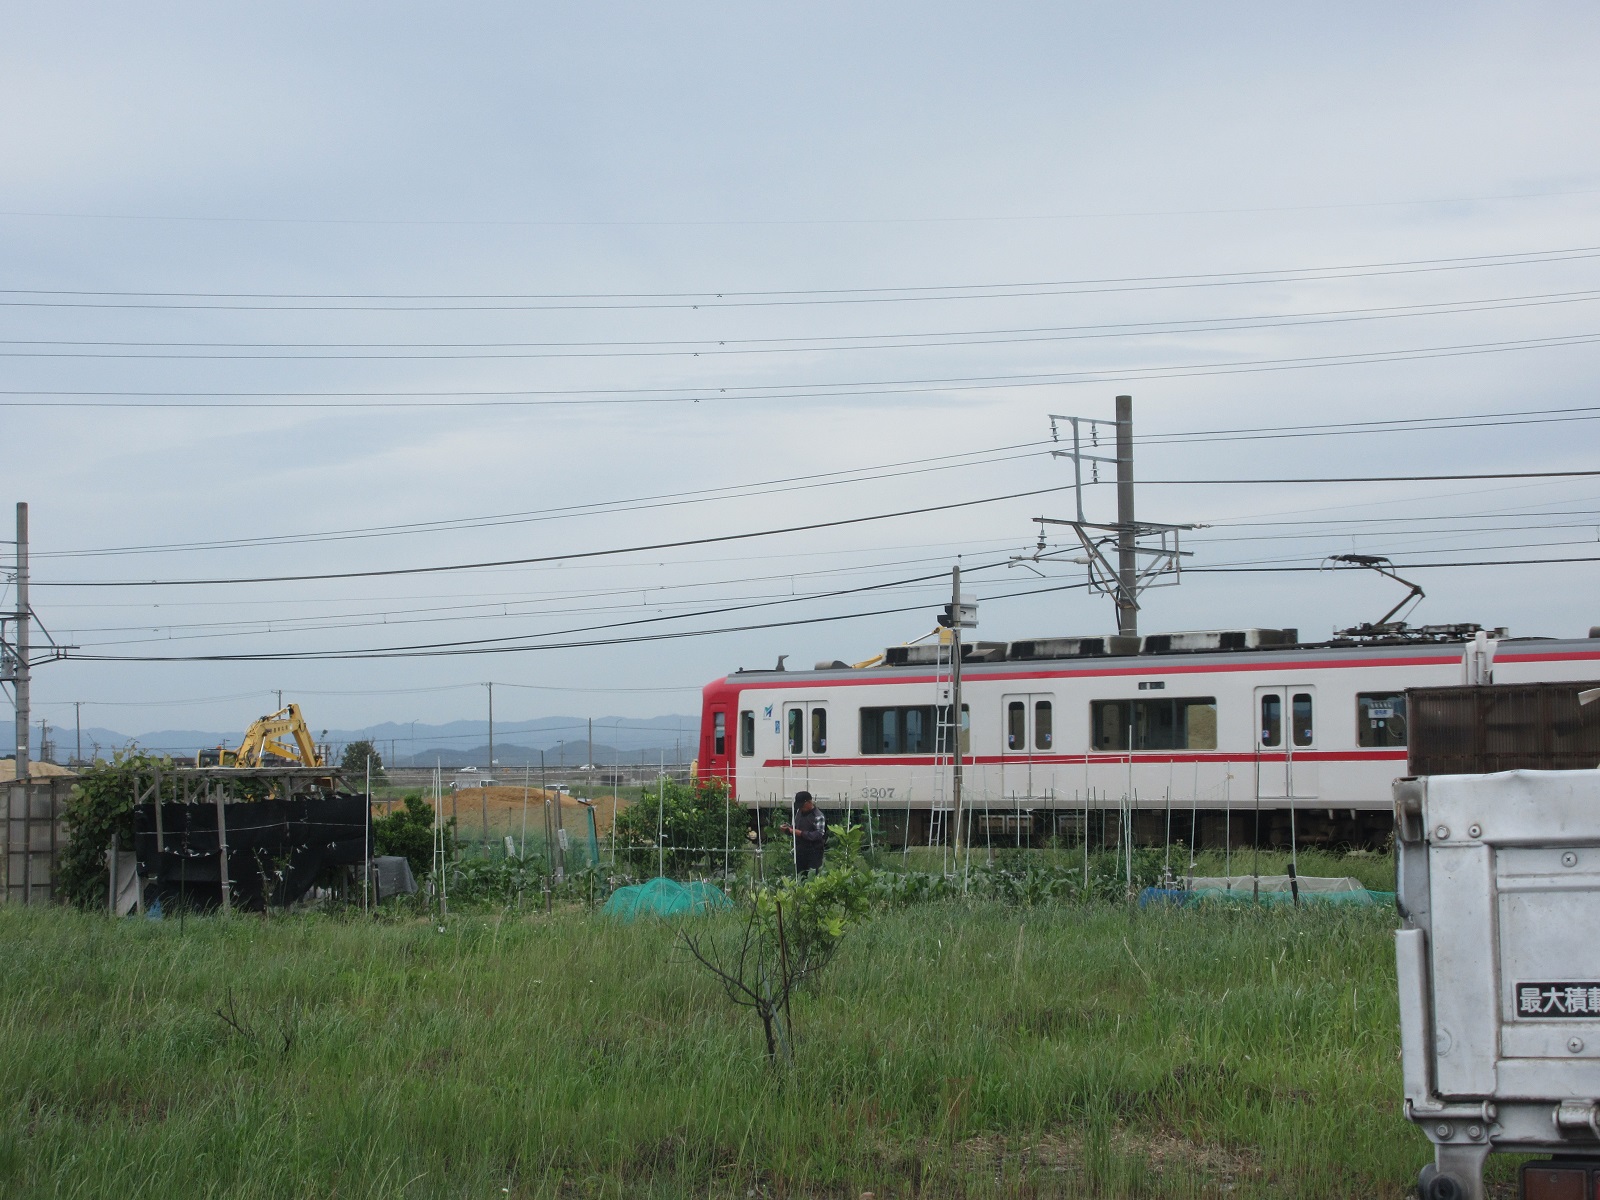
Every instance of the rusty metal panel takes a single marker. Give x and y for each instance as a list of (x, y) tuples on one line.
[(1483, 729)]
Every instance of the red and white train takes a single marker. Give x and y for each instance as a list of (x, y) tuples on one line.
[(1237, 734)]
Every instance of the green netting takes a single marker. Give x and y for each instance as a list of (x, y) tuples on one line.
[(662, 897)]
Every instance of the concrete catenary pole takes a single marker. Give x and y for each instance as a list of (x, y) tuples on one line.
[(955, 711), (1127, 557), (23, 618)]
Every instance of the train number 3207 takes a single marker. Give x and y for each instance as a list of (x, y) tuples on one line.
[(877, 793)]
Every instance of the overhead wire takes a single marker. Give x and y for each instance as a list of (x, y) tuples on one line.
[(689, 395), (733, 298), (834, 523), (814, 480), (671, 635), (537, 606), (806, 482), (725, 347)]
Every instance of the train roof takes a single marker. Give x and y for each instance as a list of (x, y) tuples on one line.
[(1165, 648)]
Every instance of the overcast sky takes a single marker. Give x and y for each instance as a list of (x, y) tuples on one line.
[(387, 265)]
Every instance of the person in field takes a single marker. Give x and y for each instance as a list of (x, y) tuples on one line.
[(810, 830)]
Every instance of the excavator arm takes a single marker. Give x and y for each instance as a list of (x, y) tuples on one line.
[(282, 735)]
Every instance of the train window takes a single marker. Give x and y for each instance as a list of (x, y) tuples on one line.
[(719, 733), (1043, 733), (1016, 722), (910, 730), (917, 724), (1272, 719), (1181, 723), (1381, 719), (1300, 718), (819, 731), (747, 733), (880, 731), (797, 732)]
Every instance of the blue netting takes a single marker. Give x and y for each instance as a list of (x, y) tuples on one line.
[(1355, 896), (662, 897)]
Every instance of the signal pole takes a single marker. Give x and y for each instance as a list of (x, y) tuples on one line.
[(955, 708), (961, 613), (1127, 531), (23, 617)]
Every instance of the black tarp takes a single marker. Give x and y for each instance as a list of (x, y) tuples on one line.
[(276, 848)]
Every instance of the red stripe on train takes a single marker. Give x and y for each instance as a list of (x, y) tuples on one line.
[(1139, 756)]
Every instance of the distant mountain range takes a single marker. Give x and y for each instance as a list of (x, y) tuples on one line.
[(563, 740)]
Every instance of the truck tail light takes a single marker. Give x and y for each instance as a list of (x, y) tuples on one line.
[(1556, 1181)]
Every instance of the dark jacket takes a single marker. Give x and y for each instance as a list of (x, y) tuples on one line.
[(812, 839)]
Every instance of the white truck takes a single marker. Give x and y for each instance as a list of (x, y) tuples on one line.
[(1499, 976)]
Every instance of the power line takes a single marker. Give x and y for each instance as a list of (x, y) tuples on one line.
[(1542, 416), (805, 482), (502, 608), (946, 552), (453, 651), (888, 585), (579, 301), (571, 397), (812, 481), (503, 611), (673, 635), (781, 530), (721, 348)]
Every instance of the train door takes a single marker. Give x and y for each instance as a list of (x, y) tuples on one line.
[(805, 739), (1028, 733), (715, 752), (1286, 726)]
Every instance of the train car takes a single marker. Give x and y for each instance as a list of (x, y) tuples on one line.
[(1220, 736)]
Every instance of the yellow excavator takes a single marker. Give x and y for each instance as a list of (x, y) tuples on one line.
[(277, 738)]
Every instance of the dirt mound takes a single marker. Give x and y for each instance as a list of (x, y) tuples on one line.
[(507, 801)]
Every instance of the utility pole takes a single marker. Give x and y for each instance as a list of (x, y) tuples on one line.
[(490, 773), (1148, 553), (1127, 531), (24, 615), (961, 613), (955, 710), (77, 708), (279, 691)]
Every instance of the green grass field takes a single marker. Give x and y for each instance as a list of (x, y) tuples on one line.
[(953, 1050)]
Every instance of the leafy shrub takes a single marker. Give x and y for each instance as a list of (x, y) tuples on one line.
[(408, 831), (494, 881), (692, 821), (792, 929)]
